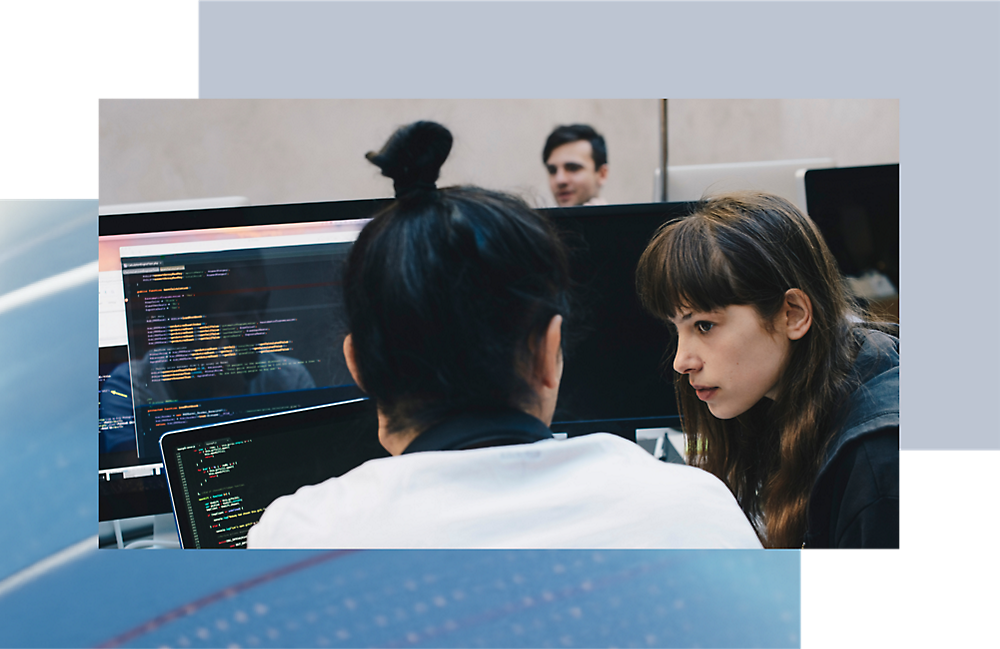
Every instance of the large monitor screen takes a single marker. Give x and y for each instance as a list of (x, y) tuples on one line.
[(233, 329), (616, 376), (211, 316), (857, 209)]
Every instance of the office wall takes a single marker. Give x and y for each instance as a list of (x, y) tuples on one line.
[(851, 131), (276, 151)]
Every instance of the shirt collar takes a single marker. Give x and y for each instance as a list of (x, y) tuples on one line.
[(481, 428)]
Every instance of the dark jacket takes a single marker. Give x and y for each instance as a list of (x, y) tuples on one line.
[(855, 500)]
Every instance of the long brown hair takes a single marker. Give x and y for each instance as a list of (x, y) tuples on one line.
[(749, 249)]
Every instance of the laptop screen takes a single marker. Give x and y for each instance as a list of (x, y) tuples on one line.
[(222, 477)]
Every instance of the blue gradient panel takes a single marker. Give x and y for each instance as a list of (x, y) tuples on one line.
[(48, 409), (416, 599), (39, 239)]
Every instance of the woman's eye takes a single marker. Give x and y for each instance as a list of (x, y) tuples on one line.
[(704, 326)]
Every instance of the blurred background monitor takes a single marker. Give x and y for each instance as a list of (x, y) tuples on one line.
[(691, 182), (857, 210), (173, 206)]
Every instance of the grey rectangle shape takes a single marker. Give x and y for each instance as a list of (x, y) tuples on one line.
[(941, 59)]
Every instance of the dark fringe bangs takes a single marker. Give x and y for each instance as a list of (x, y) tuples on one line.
[(683, 268)]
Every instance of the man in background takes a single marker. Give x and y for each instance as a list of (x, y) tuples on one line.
[(577, 161)]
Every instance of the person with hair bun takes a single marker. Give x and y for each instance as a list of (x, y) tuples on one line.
[(455, 302), (786, 391)]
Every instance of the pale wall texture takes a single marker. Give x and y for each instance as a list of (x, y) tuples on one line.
[(853, 132), (281, 151)]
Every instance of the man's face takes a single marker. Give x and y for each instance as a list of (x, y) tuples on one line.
[(572, 176)]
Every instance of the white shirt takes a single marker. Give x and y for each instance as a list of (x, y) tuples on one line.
[(593, 491)]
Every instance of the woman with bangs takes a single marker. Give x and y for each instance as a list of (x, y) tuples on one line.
[(787, 392)]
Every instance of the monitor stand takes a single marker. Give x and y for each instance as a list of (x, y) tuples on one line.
[(164, 532)]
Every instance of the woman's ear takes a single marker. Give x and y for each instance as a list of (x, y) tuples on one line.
[(797, 313), (352, 367)]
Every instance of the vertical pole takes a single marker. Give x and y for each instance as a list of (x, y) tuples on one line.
[(663, 150)]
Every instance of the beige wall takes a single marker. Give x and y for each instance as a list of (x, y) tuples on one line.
[(853, 132), (279, 151)]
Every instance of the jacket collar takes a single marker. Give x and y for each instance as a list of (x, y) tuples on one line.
[(874, 406)]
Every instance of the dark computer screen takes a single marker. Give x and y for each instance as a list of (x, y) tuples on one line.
[(229, 334), (616, 377), (223, 477), (857, 210)]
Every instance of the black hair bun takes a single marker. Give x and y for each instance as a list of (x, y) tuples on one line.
[(413, 156)]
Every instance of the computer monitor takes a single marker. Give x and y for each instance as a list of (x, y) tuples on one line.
[(616, 377), (173, 206), (210, 316), (857, 210), (691, 182)]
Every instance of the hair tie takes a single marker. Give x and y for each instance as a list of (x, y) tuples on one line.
[(405, 188), (413, 156)]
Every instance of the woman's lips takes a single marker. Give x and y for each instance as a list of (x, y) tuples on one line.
[(705, 393)]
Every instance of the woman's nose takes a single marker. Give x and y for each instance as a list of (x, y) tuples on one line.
[(685, 361)]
